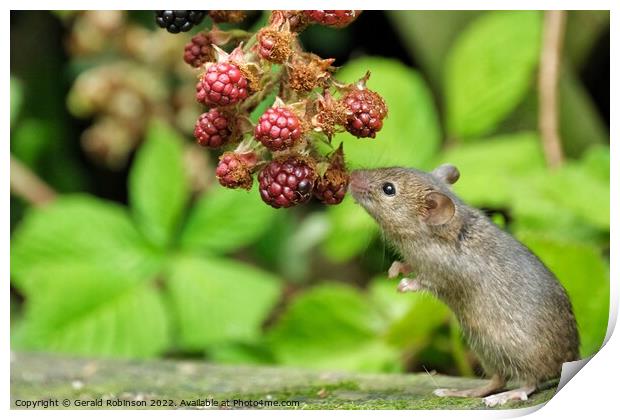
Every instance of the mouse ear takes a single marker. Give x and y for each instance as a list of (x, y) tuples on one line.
[(447, 173), (439, 209)]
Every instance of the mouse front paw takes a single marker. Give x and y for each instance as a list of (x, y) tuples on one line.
[(397, 268), (409, 285)]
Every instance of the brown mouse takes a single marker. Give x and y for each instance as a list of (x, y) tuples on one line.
[(513, 312)]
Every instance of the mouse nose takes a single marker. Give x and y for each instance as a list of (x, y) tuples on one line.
[(359, 181)]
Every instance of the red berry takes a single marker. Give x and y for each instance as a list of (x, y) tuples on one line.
[(222, 84), (278, 128), (198, 51), (336, 18), (367, 111), (287, 181), (234, 170), (212, 129)]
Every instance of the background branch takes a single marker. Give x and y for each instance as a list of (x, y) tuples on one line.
[(27, 185), (548, 80)]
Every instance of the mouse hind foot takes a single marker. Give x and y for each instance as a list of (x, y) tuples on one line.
[(519, 394), (495, 384)]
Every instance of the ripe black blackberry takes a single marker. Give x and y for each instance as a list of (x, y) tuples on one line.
[(175, 21)]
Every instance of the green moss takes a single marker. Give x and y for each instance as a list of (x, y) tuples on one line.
[(36, 377)]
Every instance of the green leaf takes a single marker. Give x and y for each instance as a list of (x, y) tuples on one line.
[(351, 231), (586, 196), (262, 107), (491, 168), (428, 35), (90, 311), (571, 202), (490, 69), (30, 140), (581, 124), (585, 275), (78, 230), (216, 300), (410, 135), (597, 161), (241, 353), (224, 220), (158, 187), (332, 327), (413, 317)]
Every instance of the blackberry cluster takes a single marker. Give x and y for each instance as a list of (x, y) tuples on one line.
[(175, 21), (310, 107)]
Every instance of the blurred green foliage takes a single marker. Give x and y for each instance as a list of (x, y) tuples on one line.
[(225, 276)]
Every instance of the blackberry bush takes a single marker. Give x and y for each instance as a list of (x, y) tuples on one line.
[(311, 106)]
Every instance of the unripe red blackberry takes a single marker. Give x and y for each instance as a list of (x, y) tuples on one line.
[(366, 112), (278, 128), (212, 129), (175, 21), (199, 50), (332, 186), (335, 18), (235, 170), (222, 84), (287, 181)]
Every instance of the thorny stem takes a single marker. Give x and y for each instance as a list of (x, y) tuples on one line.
[(548, 80), (27, 185)]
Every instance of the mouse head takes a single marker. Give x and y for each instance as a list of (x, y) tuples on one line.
[(406, 200)]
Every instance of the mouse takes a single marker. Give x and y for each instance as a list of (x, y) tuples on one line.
[(513, 312)]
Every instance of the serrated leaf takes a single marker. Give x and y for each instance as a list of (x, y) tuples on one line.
[(332, 326), (491, 168), (584, 274), (78, 230), (490, 69), (584, 195), (411, 133), (158, 187), (216, 300), (351, 231), (84, 310), (224, 220), (572, 201)]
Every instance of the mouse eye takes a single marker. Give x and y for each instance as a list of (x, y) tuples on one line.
[(389, 189)]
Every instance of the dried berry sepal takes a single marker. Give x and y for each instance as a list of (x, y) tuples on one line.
[(331, 186), (235, 169)]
